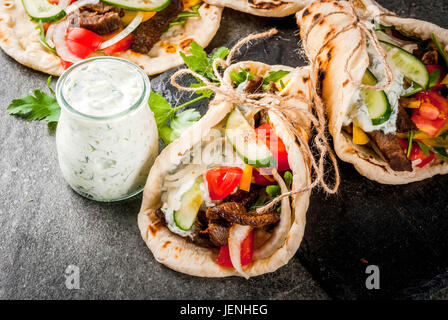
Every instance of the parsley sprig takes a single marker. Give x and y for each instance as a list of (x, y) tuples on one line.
[(39, 106)]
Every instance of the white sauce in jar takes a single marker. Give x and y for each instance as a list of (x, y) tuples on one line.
[(106, 143)]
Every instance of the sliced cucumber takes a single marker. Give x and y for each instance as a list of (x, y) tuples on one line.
[(140, 5), (244, 140), (412, 68), (376, 100), (43, 10), (413, 89), (190, 203)]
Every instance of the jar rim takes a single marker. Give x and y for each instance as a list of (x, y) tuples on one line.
[(66, 106)]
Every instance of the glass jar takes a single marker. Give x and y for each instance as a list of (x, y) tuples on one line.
[(107, 136)]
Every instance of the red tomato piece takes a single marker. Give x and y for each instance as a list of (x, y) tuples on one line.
[(262, 179), (121, 45), (431, 127), (428, 111), (65, 64), (417, 153), (82, 42), (247, 250), (436, 99), (222, 181), (267, 134)]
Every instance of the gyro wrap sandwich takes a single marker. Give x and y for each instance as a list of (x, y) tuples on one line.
[(199, 211), (50, 35), (383, 81)]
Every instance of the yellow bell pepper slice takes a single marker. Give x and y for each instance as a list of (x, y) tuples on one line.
[(410, 103), (190, 3), (246, 179), (130, 15), (445, 80), (359, 136)]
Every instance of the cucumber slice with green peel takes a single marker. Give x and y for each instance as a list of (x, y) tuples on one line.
[(413, 89), (376, 100), (244, 141), (440, 49), (190, 203), (412, 68), (43, 10), (140, 5)]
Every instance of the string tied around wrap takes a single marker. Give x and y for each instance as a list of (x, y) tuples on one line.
[(271, 102)]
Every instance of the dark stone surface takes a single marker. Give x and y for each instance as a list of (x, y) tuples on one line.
[(45, 226)]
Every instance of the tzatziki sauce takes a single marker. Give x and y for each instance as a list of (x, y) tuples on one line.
[(107, 136)]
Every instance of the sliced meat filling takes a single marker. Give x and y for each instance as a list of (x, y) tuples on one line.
[(218, 232), (254, 85), (392, 150), (404, 121), (235, 212), (243, 197), (149, 32), (99, 18)]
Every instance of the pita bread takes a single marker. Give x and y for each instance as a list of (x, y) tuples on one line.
[(181, 255), (337, 91), (19, 38), (265, 8)]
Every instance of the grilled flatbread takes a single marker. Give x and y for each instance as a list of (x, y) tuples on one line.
[(19, 38), (177, 252), (336, 89), (265, 8)]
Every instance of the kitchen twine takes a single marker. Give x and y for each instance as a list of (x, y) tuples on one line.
[(272, 102), (367, 29)]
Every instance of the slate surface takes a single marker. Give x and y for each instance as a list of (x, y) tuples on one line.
[(45, 226)]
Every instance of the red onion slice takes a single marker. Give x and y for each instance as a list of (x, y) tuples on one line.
[(123, 34)]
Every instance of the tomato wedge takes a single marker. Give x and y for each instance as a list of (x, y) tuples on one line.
[(267, 134), (417, 153), (431, 117), (121, 45), (247, 250), (65, 64), (82, 42), (221, 181)]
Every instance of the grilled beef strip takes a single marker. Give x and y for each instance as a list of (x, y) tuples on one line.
[(148, 33), (254, 85), (243, 197), (235, 212), (392, 150), (99, 18), (161, 215), (404, 121), (430, 57), (218, 232)]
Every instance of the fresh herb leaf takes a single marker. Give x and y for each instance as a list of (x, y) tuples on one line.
[(444, 135), (182, 121), (171, 125), (424, 148), (199, 62), (441, 152), (181, 18), (434, 78), (410, 140), (41, 106), (273, 191), (273, 76), (241, 76), (42, 38)]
